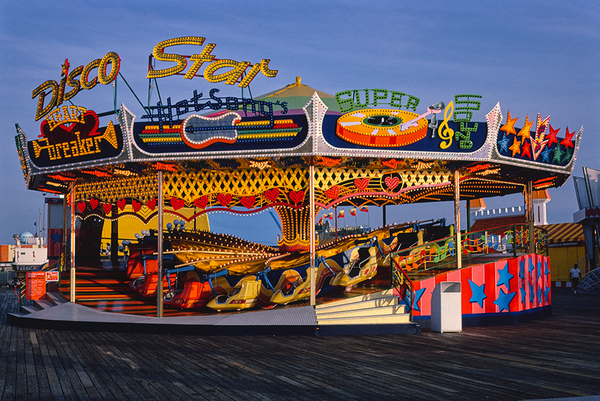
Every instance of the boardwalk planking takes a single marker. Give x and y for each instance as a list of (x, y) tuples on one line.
[(553, 357)]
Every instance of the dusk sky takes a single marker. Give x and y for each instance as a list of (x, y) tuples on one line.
[(531, 56)]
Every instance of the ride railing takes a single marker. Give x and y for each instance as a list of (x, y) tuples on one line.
[(404, 284), (441, 254)]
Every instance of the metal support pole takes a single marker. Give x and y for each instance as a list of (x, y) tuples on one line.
[(458, 247), (384, 216), (159, 248), (72, 253), (313, 268), (530, 217)]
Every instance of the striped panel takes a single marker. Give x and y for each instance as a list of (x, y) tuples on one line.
[(564, 232)]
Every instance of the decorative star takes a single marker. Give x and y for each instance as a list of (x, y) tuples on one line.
[(522, 269), (515, 147), (524, 132), (523, 294), (546, 155), (568, 156), (504, 278), (546, 270), (56, 237), (504, 299), (568, 142), (65, 68), (539, 295), (557, 154), (542, 127), (418, 295), (546, 293), (531, 265), (509, 127), (526, 150), (531, 293), (477, 292), (539, 268), (504, 143), (552, 135)]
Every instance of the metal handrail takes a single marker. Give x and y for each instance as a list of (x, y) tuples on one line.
[(441, 253), (401, 279)]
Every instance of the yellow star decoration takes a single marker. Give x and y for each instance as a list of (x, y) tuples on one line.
[(524, 133), (515, 147), (509, 127)]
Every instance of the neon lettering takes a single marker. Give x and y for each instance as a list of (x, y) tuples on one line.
[(231, 77)]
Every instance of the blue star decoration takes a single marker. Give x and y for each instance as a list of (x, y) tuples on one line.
[(523, 294), (504, 143), (546, 155), (522, 269), (56, 237), (504, 299), (505, 277), (531, 265), (546, 293), (477, 292), (539, 267), (531, 293), (418, 295), (539, 295), (546, 270)]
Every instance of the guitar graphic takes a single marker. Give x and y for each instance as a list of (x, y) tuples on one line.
[(198, 132)]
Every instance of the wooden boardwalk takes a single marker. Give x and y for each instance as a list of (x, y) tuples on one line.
[(549, 358)]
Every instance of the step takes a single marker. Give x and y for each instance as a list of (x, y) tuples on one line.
[(43, 304), (372, 303), (385, 310), (377, 319), (56, 298), (360, 298), (26, 309)]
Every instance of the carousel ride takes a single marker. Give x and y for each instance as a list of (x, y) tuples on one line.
[(295, 151)]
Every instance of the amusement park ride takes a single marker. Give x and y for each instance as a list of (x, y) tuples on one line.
[(296, 151)]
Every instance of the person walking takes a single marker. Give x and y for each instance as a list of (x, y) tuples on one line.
[(574, 274)]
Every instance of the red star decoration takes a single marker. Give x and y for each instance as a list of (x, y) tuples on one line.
[(567, 141), (515, 147), (65, 68), (509, 127), (524, 133), (541, 125), (526, 151), (552, 135)]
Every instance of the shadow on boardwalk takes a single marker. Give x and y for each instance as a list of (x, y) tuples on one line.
[(549, 358)]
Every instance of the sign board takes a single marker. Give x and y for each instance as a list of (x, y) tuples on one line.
[(36, 285)]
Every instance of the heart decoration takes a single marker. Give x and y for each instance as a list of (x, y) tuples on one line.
[(224, 199), (94, 203), (361, 183), (332, 192), (392, 163), (121, 204), (81, 206), (177, 203), (272, 194), (392, 182), (201, 202), (151, 204), (248, 201), (297, 197), (136, 205), (107, 207)]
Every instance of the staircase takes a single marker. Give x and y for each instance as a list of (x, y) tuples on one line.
[(52, 299), (375, 313)]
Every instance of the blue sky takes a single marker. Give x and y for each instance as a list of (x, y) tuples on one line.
[(532, 57)]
